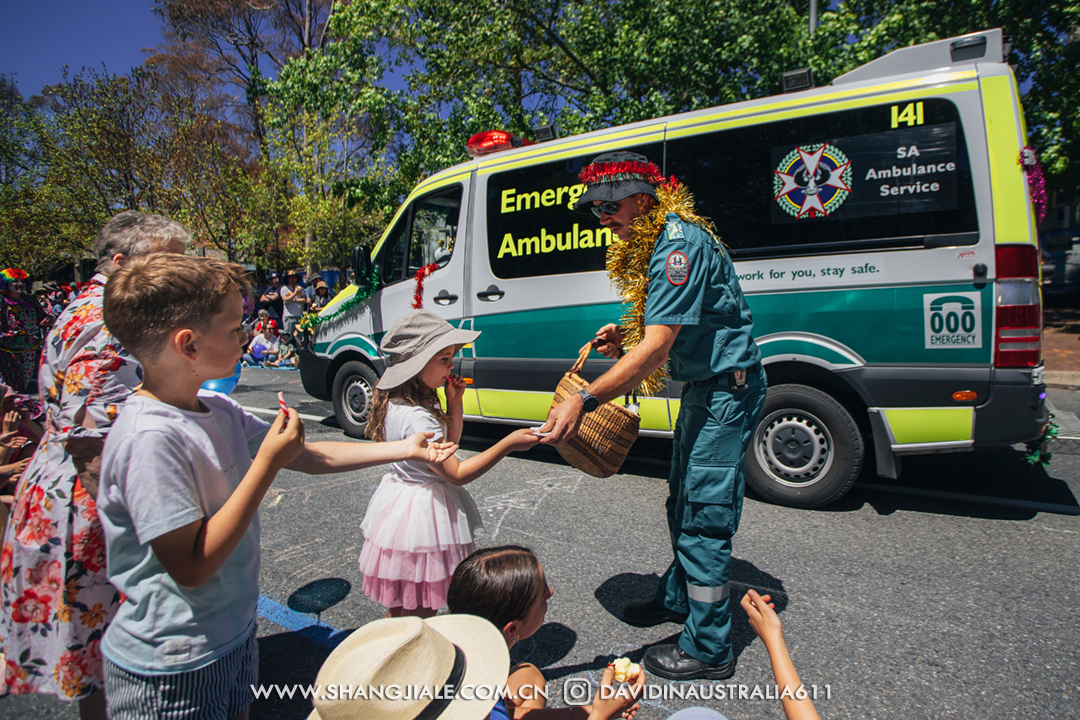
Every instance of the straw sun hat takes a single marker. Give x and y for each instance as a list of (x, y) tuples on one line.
[(415, 339), (416, 661)]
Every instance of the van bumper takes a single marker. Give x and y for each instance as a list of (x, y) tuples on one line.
[(1016, 410), (315, 374)]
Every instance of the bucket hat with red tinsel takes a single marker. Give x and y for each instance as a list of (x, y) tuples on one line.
[(617, 175)]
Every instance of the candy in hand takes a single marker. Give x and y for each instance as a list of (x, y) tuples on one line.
[(625, 671)]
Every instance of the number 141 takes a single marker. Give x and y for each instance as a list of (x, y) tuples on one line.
[(912, 114)]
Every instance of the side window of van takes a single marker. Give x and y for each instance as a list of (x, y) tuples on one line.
[(532, 228), (885, 176), (424, 234)]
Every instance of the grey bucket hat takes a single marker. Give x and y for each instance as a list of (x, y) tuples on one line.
[(413, 340), (617, 175)]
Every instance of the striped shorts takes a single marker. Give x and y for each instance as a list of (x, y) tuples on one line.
[(215, 692)]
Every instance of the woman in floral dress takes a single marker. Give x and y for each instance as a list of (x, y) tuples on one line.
[(57, 599)]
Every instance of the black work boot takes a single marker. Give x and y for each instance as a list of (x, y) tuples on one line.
[(646, 613), (671, 663)]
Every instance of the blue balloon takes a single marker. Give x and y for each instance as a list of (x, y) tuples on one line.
[(224, 385)]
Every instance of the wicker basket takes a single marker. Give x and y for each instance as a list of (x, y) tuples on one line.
[(605, 435)]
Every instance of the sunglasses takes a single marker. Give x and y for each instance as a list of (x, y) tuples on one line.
[(606, 208)]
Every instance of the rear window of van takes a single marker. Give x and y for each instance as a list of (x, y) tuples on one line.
[(885, 176)]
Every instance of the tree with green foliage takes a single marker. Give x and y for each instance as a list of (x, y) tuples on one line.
[(512, 65), (93, 145)]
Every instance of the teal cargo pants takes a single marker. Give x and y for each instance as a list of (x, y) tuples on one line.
[(708, 460)]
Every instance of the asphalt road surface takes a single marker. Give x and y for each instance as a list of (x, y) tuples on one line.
[(950, 593)]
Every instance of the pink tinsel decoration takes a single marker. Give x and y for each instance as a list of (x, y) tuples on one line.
[(1035, 180)]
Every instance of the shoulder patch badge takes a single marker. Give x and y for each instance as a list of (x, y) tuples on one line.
[(678, 267), (674, 230)]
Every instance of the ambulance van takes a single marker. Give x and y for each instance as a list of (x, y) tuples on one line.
[(881, 228)]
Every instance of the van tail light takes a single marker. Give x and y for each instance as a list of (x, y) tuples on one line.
[(493, 141), (1018, 307)]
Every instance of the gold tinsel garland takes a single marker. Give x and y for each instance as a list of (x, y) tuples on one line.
[(628, 266)]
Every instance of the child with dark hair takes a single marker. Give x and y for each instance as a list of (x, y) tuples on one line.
[(506, 586)]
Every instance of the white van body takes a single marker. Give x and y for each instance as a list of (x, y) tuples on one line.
[(883, 235)]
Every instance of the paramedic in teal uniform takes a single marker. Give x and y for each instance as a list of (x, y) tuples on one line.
[(697, 319)]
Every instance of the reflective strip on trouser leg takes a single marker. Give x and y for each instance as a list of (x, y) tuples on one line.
[(708, 595), (706, 563)]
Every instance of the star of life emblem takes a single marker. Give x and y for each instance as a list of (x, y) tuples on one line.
[(812, 181), (678, 267)]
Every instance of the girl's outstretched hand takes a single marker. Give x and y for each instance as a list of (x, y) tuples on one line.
[(435, 453), (612, 701), (455, 389), (763, 618), (522, 439)]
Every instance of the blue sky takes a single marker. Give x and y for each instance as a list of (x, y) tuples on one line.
[(40, 36)]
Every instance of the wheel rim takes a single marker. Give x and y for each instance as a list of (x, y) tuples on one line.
[(794, 448), (358, 399)]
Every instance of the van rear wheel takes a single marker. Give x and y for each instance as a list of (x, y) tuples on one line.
[(354, 388), (807, 450)]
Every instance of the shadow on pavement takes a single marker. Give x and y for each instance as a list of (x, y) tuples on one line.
[(305, 657), (1001, 474), (317, 597), (547, 646), (616, 591)]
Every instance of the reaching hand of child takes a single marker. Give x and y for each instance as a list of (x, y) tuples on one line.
[(522, 439), (13, 471), (284, 440), (763, 618), (12, 418), (430, 452), (455, 389), (12, 441), (615, 702)]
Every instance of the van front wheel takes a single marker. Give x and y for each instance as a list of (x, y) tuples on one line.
[(807, 450), (354, 387)]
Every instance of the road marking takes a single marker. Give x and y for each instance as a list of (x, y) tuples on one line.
[(264, 411), (317, 632), (984, 499)]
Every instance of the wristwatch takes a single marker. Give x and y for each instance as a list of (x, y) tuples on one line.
[(588, 402)]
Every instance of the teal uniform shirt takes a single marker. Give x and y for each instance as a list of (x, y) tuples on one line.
[(692, 283)]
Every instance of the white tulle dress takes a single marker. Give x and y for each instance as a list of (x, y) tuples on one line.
[(417, 527)]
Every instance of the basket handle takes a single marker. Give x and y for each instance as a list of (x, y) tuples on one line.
[(583, 355)]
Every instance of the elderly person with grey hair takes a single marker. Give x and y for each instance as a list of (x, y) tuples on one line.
[(57, 600)]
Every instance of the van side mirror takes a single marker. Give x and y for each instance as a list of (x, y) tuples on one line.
[(361, 263), (442, 258)]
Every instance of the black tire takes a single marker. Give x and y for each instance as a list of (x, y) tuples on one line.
[(354, 386), (807, 450)]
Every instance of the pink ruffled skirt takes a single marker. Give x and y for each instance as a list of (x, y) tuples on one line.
[(414, 537)]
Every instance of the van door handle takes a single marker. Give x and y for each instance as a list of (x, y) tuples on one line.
[(445, 298), (492, 294)]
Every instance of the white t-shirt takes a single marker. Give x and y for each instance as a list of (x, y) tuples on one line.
[(164, 468), (401, 422), (293, 309)]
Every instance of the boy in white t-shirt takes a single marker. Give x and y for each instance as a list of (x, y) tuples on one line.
[(180, 492)]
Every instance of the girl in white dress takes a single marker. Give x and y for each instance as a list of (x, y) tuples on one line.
[(420, 521)]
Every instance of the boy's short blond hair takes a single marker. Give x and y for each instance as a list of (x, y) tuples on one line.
[(153, 295)]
